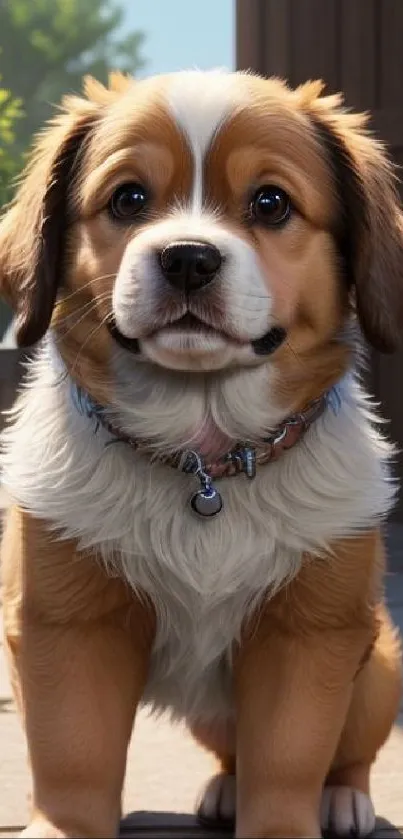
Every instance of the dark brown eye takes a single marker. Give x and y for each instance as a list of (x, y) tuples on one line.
[(270, 206), (128, 201)]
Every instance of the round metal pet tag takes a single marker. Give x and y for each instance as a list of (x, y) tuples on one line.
[(206, 502)]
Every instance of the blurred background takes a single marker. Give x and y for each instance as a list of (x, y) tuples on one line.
[(46, 46)]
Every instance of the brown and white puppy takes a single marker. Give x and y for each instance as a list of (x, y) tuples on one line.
[(194, 253)]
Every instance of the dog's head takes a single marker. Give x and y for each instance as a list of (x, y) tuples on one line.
[(215, 224)]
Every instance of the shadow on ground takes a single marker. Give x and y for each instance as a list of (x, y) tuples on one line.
[(161, 825)]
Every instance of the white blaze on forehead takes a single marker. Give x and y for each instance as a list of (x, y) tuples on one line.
[(201, 101)]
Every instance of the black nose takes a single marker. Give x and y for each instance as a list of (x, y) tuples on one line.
[(189, 266)]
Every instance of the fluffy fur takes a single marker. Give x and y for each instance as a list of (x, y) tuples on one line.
[(111, 582), (200, 109), (202, 579)]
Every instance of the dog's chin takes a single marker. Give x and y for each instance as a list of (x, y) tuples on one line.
[(203, 350)]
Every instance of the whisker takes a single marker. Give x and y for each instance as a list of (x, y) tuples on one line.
[(93, 332), (249, 294), (243, 308), (295, 354), (98, 298), (78, 290), (254, 296), (76, 323), (86, 308)]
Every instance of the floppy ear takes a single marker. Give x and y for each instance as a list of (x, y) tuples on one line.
[(370, 234), (32, 232)]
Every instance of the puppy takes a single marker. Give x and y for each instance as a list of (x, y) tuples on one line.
[(197, 482)]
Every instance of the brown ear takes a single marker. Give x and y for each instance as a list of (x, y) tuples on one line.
[(117, 83), (370, 232), (32, 232)]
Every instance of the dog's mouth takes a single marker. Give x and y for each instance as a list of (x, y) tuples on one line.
[(191, 326), (130, 344), (189, 323)]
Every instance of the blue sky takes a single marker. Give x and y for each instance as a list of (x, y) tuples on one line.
[(183, 33)]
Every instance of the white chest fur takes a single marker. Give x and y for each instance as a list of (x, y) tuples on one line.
[(202, 575)]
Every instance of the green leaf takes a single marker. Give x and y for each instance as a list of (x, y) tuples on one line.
[(10, 159), (46, 47)]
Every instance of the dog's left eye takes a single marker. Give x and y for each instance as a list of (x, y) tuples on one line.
[(128, 201), (270, 206)]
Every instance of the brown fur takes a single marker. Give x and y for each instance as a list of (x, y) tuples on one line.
[(33, 231), (79, 642), (301, 262), (356, 203), (302, 698), (307, 644)]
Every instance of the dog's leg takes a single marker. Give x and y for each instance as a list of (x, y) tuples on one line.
[(79, 646), (346, 803), (294, 678), (216, 804), (292, 700)]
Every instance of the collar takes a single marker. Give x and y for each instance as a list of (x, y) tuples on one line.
[(244, 458)]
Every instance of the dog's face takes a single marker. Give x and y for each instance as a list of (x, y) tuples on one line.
[(208, 201), (207, 223)]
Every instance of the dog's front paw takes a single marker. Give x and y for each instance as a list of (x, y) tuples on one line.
[(347, 812), (217, 803), (43, 829)]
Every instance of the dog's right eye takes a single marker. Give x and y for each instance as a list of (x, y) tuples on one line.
[(128, 202)]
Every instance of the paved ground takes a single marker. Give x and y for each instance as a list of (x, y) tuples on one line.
[(166, 770)]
